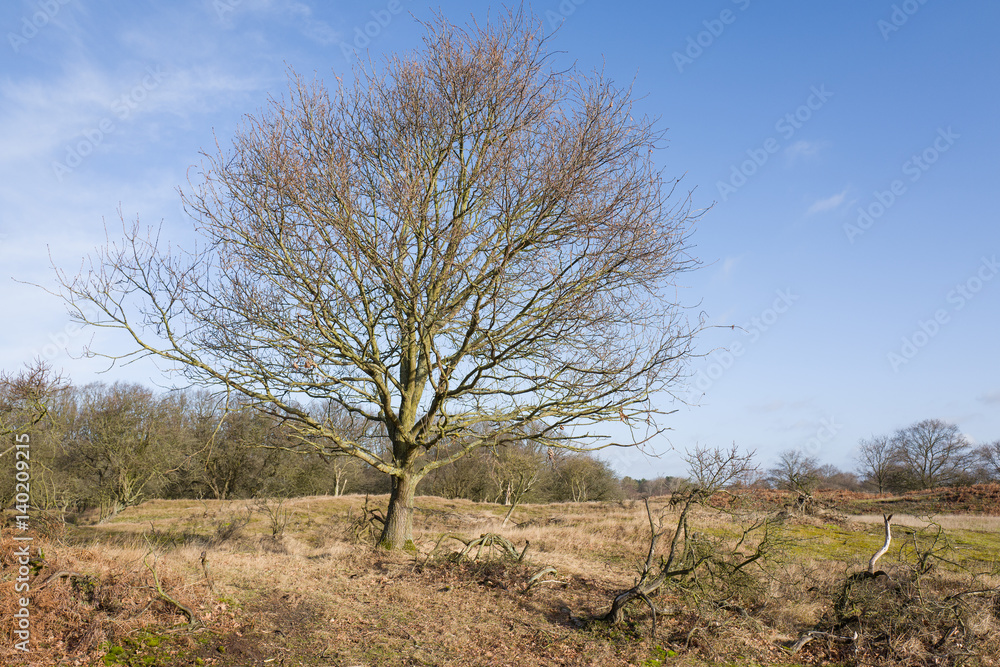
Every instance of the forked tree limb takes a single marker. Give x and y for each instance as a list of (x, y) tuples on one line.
[(840, 605), (646, 587), (652, 610), (651, 582), (490, 541), (887, 518)]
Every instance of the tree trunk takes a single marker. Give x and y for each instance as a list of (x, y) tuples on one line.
[(514, 502), (397, 534), (109, 512)]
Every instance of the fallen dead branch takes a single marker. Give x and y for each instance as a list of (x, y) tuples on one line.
[(59, 575), (817, 634), (983, 591), (841, 604), (369, 525), (492, 542), (193, 621), (536, 578), (652, 578)]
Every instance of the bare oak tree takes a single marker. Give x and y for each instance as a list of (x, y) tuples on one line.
[(116, 439), (465, 235), (515, 468), (989, 457), (795, 471), (878, 461), (24, 398), (932, 453), (714, 468)]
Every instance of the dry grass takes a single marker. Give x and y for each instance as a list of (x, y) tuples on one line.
[(950, 522), (316, 596)]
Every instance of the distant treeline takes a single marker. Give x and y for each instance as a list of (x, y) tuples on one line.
[(112, 446)]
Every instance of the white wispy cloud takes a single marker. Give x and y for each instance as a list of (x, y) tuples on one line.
[(43, 115), (828, 204), (729, 266), (804, 149), (44, 120), (313, 28), (991, 397), (769, 406), (297, 15)]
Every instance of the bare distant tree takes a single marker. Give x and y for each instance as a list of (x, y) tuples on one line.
[(515, 468), (932, 453), (242, 453), (713, 468), (343, 467), (878, 461), (795, 471), (24, 398), (989, 458), (463, 236), (582, 477), (115, 439), (831, 477)]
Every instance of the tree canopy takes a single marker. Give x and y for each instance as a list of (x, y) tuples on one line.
[(462, 237)]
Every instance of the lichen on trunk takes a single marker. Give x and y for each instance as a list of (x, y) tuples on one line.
[(397, 534)]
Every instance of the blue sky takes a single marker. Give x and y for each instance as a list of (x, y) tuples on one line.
[(847, 151)]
